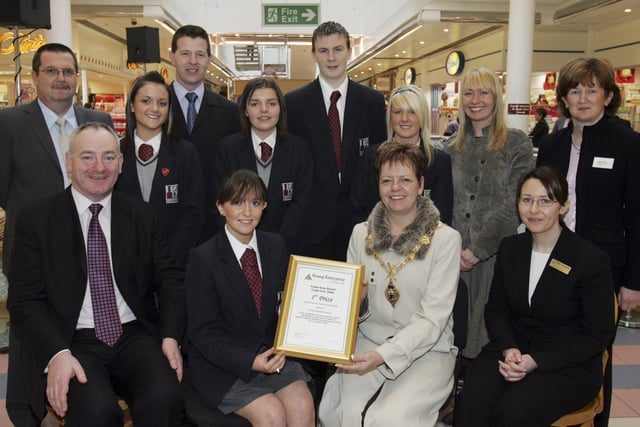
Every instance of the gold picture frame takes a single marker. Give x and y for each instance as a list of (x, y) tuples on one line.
[(320, 309)]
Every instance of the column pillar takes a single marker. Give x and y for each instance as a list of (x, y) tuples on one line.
[(519, 58), (60, 31), (85, 86)]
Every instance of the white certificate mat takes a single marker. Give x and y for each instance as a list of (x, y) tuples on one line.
[(319, 316)]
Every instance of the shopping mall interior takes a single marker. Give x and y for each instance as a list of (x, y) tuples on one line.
[(408, 41), (422, 42)]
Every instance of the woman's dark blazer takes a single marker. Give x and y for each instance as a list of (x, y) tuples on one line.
[(607, 191), (438, 183), (571, 317), (291, 171), (176, 192), (224, 329)]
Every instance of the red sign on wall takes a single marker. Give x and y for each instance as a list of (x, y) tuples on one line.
[(626, 75)]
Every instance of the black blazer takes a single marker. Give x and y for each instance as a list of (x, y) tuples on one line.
[(29, 167), (438, 184), (291, 170), (180, 207), (364, 124), (571, 317), (49, 279), (608, 197), (217, 118), (224, 329)]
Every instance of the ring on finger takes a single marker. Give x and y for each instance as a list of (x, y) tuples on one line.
[(277, 370)]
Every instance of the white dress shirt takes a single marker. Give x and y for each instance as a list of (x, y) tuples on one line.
[(50, 119), (239, 247), (85, 320), (181, 93)]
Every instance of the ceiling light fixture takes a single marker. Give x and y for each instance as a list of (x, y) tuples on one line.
[(245, 42)]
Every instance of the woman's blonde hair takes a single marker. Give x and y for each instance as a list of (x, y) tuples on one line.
[(483, 78), (411, 98)]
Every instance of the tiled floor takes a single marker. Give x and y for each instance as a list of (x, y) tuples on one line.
[(625, 406)]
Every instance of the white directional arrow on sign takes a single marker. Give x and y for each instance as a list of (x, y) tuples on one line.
[(309, 14)]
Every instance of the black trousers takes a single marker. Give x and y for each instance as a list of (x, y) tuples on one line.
[(537, 400), (17, 400), (135, 369)]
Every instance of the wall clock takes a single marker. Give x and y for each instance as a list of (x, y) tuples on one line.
[(410, 76), (454, 63)]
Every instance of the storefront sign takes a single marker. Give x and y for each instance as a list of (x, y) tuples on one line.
[(518, 109), (27, 44), (289, 14)]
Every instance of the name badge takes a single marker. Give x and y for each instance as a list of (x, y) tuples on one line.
[(171, 194), (560, 266), (287, 191), (363, 144), (603, 163)]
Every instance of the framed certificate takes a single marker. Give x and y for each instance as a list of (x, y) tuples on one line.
[(320, 309)]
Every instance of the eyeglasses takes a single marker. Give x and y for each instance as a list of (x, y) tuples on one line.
[(543, 202), (53, 72), (588, 92)]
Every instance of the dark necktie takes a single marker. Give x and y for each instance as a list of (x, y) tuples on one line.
[(191, 110), (250, 269), (145, 152), (334, 127), (103, 297), (265, 150)]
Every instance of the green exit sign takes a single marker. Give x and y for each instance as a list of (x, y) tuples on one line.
[(290, 14)]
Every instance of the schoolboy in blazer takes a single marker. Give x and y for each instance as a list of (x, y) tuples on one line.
[(362, 124)]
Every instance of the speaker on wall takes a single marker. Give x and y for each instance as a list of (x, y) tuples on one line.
[(26, 14), (143, 45)]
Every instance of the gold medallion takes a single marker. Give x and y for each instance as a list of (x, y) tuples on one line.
[(392, 294)]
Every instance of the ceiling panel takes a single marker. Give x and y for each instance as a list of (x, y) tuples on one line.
[(434, 37), (395, 51)]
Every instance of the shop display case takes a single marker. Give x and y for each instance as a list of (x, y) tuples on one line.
[(119, 120), (113, 104)]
